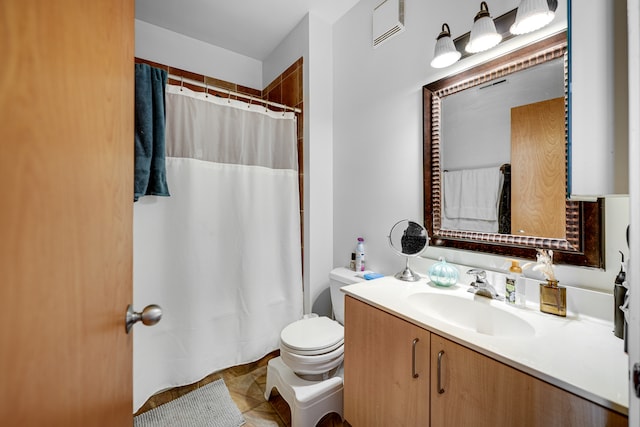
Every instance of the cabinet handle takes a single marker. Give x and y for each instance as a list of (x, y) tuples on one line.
[(440, 388), (414, 374)]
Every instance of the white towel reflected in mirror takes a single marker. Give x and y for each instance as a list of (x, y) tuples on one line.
[(471, 198)]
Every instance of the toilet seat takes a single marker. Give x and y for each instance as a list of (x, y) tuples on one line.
[(314, 352), (314, 358), (316, 335), (314, 369)]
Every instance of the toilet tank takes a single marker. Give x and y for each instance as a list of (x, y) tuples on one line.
[(338, 278)]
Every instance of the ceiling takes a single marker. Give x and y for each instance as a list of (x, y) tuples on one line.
[(252, 28)]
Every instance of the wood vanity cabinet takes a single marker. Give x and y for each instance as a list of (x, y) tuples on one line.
[(479, 391), (473, 389), (382, 384)]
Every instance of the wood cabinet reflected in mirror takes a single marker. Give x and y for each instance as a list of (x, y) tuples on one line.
[(535, 213)]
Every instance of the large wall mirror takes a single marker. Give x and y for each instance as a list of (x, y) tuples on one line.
[(495, 160)]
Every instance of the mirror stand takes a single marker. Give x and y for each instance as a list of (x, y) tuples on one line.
[(407, 274)]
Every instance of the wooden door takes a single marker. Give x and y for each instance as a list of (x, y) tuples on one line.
[(66, 180), (379, 384), (538, 169), (481, 392)]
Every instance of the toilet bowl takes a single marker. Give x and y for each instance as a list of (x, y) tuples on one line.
[(308, 372)]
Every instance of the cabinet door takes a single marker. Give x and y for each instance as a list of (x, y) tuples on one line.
[(386, 369), (475, 390)]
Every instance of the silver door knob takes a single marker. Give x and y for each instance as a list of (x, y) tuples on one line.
[(149, 316)]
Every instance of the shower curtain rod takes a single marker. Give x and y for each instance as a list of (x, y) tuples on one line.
[(230, 92)]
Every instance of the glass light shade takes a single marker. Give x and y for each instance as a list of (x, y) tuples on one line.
[(483, 35), (445, 53), (531, 15)]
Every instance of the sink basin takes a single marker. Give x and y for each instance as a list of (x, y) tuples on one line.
[(476, 314)]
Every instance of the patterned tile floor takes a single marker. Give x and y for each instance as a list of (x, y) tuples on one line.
[(246, 385)]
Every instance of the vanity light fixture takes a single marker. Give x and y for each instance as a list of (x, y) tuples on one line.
[(531, 15), (445, 52), (483, 33)]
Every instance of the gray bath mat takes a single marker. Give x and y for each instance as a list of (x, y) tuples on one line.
[(207, 406)]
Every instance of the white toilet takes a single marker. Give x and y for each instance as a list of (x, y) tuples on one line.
[(313, 348), (307, 374)]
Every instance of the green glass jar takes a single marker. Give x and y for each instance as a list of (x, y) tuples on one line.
[(443, 274)]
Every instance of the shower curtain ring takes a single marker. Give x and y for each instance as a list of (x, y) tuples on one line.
[(181, 82), (206, 90), (229, 98), (250, 101)]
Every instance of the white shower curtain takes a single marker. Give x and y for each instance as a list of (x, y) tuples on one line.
[(222, 255)]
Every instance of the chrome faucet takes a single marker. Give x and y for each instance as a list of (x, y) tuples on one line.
[(480, 286)]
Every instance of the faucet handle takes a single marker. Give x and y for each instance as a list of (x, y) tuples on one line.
[(481, 275)]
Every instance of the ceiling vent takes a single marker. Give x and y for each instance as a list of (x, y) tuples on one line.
[(388, 20)]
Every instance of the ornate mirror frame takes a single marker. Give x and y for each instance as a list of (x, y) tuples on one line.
[(584, 238)]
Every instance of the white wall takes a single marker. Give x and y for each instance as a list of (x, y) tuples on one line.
[(311, 39), (166, 47), (318, 164), (377, 162)]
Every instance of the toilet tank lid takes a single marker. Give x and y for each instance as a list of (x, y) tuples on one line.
[(346, 276)]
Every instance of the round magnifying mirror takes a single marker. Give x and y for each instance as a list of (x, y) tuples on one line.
[(408, 238)]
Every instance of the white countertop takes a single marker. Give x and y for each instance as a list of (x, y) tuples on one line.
[(579, 355)]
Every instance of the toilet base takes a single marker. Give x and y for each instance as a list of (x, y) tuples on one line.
[(309, 400)]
